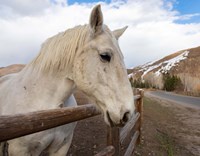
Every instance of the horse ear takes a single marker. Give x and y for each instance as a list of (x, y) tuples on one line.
[(117, 33), (96, 20)]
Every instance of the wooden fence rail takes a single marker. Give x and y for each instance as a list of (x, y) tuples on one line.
[(13, 126)]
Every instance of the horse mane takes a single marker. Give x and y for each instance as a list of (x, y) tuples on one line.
[(58, 52)]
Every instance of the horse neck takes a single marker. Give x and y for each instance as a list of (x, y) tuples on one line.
[(52, 69), (55, 88)]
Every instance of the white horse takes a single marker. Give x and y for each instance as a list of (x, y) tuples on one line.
[(86, 57)]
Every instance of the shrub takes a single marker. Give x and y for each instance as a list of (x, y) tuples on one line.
[(171, 82), (140, 84)]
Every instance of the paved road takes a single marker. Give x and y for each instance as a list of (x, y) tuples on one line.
[(180, 99)]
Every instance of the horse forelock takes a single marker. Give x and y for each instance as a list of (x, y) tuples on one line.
[(58, 52)]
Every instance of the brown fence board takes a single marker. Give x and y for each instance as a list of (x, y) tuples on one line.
[(108, 151), (14, 126), (132, 144), (113, 139), (125, 131)]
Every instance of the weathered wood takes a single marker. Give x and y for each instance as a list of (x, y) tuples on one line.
[(137, 97), (14, 126), (125, 131), (108, 151), (140, 110), (132, 144), (113, 139)]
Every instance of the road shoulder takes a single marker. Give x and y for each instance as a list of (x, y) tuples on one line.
[(166, 123)]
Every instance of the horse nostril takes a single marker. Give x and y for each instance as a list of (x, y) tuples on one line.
[(125, 117)]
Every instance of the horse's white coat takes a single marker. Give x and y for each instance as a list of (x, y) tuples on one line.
[(68, 60)]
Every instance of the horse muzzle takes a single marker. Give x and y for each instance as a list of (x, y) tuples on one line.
[(121, 122)]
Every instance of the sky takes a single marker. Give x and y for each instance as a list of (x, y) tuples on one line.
[(156, 28)]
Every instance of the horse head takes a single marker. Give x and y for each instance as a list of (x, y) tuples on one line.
[(99, 71)]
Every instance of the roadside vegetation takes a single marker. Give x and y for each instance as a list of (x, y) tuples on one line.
[(166, 143), (171, 83)]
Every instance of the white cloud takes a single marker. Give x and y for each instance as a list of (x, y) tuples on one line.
[(152, 32), (14, 8)]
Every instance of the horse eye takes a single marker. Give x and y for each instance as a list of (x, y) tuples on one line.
[(105, 57)]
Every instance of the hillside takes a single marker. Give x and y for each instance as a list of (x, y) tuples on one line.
[(184, 64)]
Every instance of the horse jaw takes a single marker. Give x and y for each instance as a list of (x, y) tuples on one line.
[(117, 106)]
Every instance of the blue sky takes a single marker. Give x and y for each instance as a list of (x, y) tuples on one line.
[(188, 7), (156, 28)]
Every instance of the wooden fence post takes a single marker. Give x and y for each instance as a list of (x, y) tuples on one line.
[(113, 138), (140, 110)]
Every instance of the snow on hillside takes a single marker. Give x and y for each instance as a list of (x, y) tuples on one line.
[(163, 67), (130, 75)]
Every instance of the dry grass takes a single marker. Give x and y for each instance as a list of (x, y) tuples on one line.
[(166, 132)]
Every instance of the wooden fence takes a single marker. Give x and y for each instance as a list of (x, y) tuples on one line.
[(14, 126), (130, 135)]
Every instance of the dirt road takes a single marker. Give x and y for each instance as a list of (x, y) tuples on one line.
[(179, 99)]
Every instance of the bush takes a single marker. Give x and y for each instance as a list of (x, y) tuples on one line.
[(171, 82), (140, 84)]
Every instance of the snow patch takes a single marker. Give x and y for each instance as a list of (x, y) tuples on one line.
[(130, 75), (164, 66), (149, 69)]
